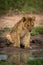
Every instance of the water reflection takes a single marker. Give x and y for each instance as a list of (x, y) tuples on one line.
[(19, 57), (22, 57), (3, 57)]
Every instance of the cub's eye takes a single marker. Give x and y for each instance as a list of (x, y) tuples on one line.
[(28, 25)]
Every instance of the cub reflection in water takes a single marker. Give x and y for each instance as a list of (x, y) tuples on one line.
[(19, 58), (20, 33)]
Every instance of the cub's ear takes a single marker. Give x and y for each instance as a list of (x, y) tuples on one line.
[(33, 18), (24, 19)]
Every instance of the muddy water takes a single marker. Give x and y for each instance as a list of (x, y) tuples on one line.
[(22, 57), (19, 57)]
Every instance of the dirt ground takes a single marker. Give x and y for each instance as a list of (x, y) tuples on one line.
[(10, 21)]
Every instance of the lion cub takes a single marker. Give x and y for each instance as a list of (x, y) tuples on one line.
[(20, 33)]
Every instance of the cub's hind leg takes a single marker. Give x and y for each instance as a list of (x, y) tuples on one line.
[(15, 39)]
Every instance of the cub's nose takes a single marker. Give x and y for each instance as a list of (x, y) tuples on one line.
[(29, 30)]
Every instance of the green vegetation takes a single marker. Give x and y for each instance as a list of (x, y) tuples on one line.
[(5, 63), (28, 6), (29, 62), (7, 28), (1, 33), (37, 30), (35, 62)]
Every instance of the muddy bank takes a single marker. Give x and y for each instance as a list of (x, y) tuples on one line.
[(36, 43)]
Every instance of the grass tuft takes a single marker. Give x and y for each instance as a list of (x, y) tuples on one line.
[(5, 63), (7, 28), (37, 30), (35, 62)]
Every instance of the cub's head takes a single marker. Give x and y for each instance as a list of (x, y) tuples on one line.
[(29, 22)]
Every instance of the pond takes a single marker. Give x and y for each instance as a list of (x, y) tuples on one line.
[(22, 57)]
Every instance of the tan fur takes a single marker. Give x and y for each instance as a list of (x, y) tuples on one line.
[(20, 33)]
